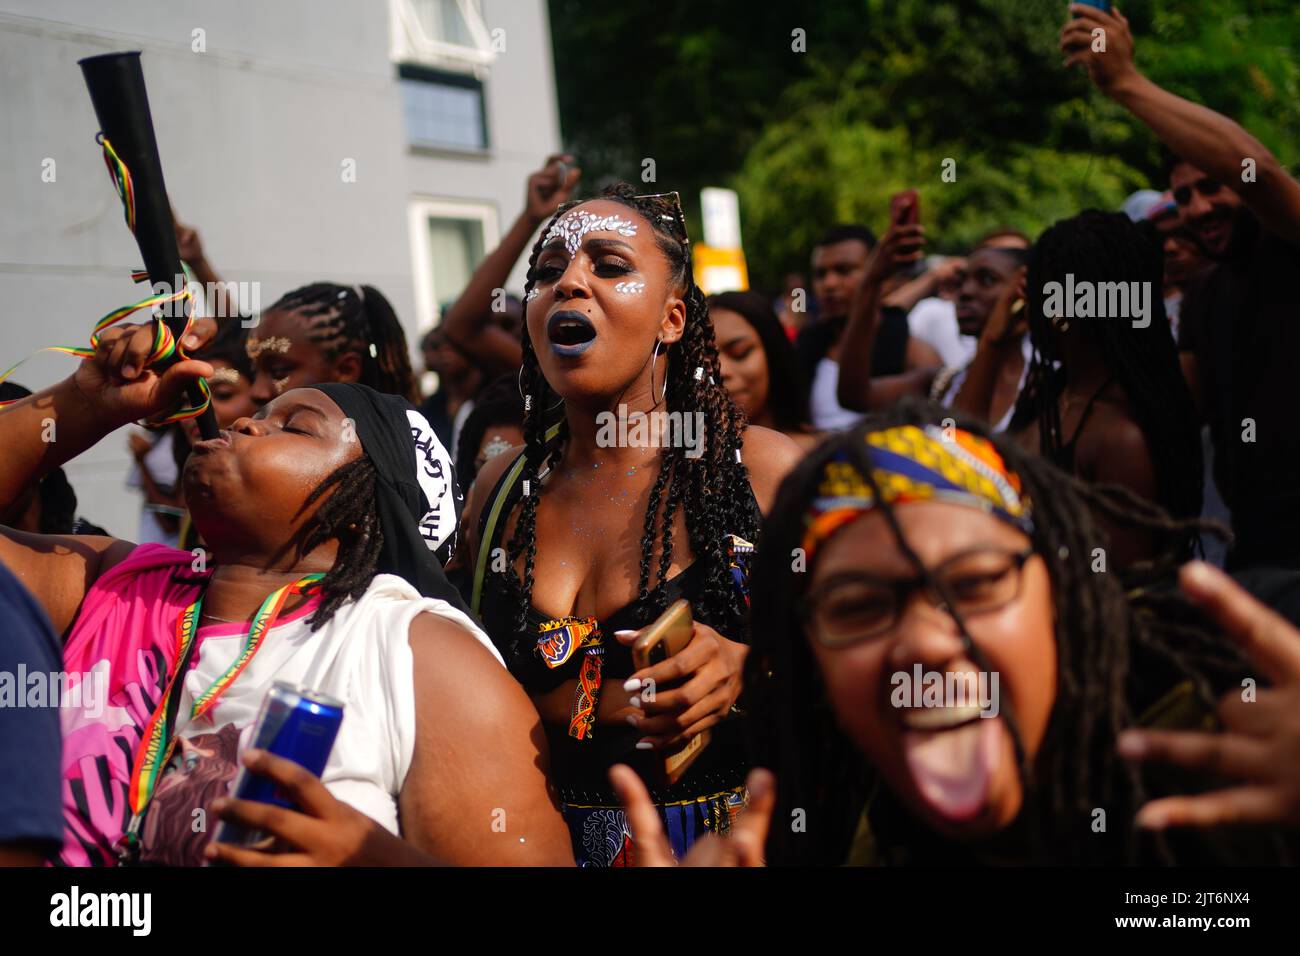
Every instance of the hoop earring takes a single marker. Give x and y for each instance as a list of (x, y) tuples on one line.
[(663, 392), (528, 399)]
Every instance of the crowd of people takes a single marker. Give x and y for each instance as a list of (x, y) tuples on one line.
[(924, 474)]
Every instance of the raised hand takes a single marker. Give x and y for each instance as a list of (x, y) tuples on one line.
[(1106, 68), (551, 186), (743, 846), (116, 383), (1259, 746), (898, 248)]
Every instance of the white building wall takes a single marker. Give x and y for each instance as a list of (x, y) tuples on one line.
[(253, 133)]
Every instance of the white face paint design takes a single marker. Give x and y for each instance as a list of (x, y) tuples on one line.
[(629, 288), (532, 294), (580, 222)]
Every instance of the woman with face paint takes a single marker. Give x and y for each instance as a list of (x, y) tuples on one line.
[(638, 483), (321, 514), (330, 333), (950, 649)]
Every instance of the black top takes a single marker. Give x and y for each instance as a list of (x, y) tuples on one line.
[(579, 767), (1243, 325), (1064, 457), (888, 354)]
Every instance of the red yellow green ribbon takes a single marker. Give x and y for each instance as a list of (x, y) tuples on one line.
[(165, 344)]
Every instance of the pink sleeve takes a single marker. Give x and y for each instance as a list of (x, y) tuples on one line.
[(117, 658)]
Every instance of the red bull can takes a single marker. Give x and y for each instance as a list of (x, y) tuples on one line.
[(297, 724)]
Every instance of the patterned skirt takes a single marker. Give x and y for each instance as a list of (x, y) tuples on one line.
[(601, 836)]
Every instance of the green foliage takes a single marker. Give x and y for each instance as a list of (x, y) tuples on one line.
[(886, 90)]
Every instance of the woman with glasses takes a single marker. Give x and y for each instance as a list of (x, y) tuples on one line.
[(639, 483), (943, 678)]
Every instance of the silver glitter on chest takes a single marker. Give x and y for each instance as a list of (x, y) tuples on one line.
[(577, 224)]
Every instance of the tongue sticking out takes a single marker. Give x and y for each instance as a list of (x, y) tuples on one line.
[(952, 769)]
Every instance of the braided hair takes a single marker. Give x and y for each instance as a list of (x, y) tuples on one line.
[(710, 490), (1100, 247), (1117, 653), (357, 319)]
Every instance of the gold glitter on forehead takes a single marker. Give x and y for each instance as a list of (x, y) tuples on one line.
[(224, 376), (255, 346)]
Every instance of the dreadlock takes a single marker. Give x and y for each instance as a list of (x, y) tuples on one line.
[(706, 489), (357, 319), (350, 515), (1117, 650), (1106, 247)]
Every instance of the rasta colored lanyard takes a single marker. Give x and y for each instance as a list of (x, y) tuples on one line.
[(158, 741)]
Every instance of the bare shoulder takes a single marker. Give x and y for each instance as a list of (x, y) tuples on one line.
[(454, 645), (476, 500), (769, 457)]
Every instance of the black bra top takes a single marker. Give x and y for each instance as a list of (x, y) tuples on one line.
[(579, 767)]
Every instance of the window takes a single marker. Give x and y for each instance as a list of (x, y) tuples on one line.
[(443, 110), (445, 35), (448, 241)]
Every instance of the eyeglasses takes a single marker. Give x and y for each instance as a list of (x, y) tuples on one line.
[(851, 608)]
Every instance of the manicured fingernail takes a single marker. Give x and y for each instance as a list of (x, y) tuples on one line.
[(1131, 744), (632, 685), (644, 745), (624, 635), (634, 719), (190, 341), (128, 371), (210, 851), (635, 702)]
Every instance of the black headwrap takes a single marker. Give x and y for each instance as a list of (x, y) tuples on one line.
[(417, 498)]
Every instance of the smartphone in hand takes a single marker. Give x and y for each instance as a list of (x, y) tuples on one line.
[(669, 635), (1102, 5), (905, 208)]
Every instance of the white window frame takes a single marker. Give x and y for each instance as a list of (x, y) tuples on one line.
[(410, 44), (419, 211)]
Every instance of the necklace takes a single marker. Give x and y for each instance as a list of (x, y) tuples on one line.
[(223, 620)]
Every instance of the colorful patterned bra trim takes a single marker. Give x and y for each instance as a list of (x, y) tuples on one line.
[(560, 639), (917, 464)]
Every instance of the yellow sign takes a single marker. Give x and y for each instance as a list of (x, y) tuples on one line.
[(720, 270)]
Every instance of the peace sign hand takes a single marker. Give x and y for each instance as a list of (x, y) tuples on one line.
[(743, 846)]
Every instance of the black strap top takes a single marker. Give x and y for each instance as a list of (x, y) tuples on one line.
[(1064, 458), (579, 766)]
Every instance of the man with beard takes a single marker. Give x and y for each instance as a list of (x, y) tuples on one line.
[(1240, 330)]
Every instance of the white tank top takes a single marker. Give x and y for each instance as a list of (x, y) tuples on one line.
[(363, 658)]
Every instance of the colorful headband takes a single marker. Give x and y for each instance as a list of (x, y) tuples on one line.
[(916, 464)]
